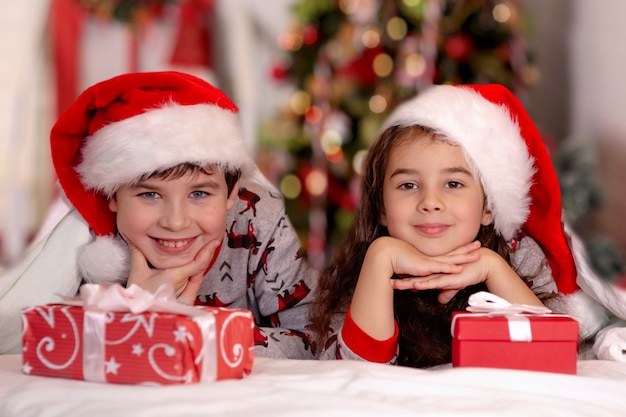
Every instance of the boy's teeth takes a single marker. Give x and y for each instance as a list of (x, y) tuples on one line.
[(173, 244)]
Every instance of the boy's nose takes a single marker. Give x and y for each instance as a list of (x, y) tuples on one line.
[(175, 217)]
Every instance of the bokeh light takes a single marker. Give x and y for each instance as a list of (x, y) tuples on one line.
[(313, 115), (329, 138), (300, 102), (377, 103), (370, 38), (415, 64), (397, 28), (289, 41), (334, 153), (501, 13), (412, 3), (383, 65), (290, 186), (357, 161), (316, 182)]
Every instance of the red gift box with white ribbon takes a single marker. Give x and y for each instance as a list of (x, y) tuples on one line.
[(131, 336), (497, 334)]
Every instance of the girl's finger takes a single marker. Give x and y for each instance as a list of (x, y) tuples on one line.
[(446, 295), (408, 283), (465, 249)]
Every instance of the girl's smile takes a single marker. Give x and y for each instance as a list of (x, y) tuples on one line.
[(431, 229)]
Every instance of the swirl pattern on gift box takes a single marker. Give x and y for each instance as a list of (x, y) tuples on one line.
[(140, 321), (237, 349), (48, 343), (169, 351)]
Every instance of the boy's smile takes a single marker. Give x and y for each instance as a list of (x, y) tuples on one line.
[(431, 198), (170, 220)]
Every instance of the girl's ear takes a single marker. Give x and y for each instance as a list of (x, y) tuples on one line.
[(383, 218), (232, 198), (487, 218)]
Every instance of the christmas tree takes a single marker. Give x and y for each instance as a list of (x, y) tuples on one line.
[(352, 62)]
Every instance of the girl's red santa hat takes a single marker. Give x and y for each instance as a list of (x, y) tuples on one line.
[(505, 150), (131, 125)]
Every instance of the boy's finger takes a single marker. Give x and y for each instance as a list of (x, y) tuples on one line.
[(198, 265), (138, 262), (207, 251), (190, 292)]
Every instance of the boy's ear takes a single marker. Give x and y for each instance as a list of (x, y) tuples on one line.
[(232, 198), (113, 204)]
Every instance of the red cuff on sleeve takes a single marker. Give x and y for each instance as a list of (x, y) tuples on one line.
[(365, 346)]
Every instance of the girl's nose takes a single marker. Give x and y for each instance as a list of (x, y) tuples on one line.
[(430, 201)]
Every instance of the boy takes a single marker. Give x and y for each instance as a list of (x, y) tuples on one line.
[(156, 166)]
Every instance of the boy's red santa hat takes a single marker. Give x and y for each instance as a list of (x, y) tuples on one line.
[(505, 150), (131, 125)]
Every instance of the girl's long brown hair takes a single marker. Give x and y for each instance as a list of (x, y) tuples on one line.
[(424, 323)]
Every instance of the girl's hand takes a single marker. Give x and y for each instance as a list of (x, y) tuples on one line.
[(372, 301), (185, 279), (489, 268), (406, 261)]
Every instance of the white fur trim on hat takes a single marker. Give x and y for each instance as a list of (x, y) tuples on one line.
[(105, 260), (491, 141), (121, 152)]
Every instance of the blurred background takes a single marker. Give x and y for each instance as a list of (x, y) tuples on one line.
[(314, 79)]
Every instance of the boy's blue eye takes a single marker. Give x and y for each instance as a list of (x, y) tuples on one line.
[(199, 194), (150, 195)]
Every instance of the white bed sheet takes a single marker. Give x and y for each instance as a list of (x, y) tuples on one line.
[(319, 388)]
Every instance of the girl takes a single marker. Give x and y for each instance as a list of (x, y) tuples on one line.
[(452, 203)]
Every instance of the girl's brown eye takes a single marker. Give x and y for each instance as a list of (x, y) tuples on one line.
[(453, 184)]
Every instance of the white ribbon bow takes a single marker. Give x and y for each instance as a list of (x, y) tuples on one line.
[(486, 302)]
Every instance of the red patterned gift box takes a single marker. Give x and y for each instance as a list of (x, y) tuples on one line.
[(130, 336), (514, 337)]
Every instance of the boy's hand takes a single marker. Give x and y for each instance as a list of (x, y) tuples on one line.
[(185, 279)]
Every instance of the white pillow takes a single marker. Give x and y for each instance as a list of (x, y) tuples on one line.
[(48, 268)]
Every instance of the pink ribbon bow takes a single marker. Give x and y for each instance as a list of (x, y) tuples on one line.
[(133, 299), (99, 300)]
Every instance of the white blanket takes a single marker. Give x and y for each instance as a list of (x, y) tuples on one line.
[(326, 388)]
